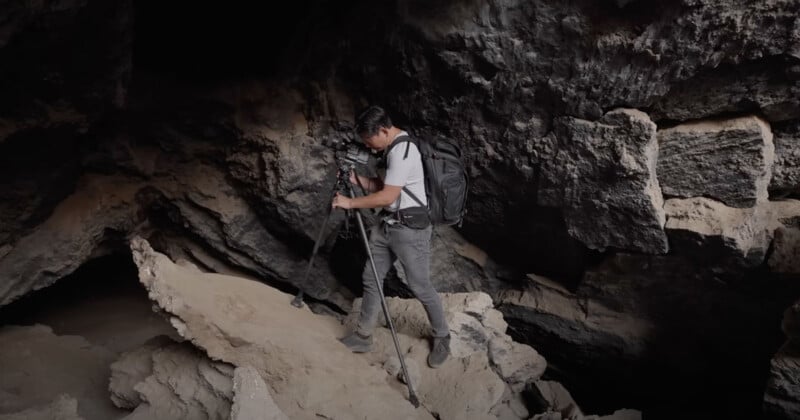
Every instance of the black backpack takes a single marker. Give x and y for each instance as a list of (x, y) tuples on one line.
[(446, 181)]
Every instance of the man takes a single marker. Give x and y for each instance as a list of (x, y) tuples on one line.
[(393, 237)]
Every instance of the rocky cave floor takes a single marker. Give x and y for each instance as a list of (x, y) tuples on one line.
[(94, 347), (62, 340)]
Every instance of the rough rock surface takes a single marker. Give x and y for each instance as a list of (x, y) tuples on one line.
[(603, 176), (251, 397), (711, 230), (476, 328), (765, 86), (498, 77), (786, 173), (165, 379), (72, 234), (63, 71), (782, 393), (728, 160), (63, 407), (783, 386), (785, 257), (220, 314)]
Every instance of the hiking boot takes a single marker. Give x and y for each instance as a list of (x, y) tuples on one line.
[(357, 343), (440, 351)]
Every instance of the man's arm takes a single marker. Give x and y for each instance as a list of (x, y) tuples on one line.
[(369, 184), (382, 198)]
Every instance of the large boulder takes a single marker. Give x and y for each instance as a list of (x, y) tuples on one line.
[(729, 160), (722, 235), (604, 178)]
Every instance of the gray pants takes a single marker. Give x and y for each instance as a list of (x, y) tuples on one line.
[(413, 248)]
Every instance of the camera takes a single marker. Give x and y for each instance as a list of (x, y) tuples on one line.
[(356, 155)]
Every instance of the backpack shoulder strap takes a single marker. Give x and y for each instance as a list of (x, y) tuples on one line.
[(408, 140), (402, 139), (412, 195)]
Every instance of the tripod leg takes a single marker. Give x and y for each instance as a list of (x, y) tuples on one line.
[(412, 396), (298, 299)]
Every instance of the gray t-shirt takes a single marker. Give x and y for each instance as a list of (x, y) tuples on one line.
[(407, 173)]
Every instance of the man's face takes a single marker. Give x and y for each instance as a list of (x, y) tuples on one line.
[(379, 141)]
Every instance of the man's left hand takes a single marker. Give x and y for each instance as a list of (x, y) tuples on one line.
[(342, 202)]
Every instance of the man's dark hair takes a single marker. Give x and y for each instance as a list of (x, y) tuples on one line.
[(370, 120)]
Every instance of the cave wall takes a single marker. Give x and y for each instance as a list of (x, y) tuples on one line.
[(610, 145)]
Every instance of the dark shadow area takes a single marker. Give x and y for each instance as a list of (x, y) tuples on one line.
[(211, 42), (102, 301), (707, 358)]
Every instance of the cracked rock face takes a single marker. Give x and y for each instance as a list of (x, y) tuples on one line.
[(729, 160), (603, 176), (786, 174)]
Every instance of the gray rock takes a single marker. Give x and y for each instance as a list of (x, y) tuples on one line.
[(761, 86), (729, 160), (785, 257), (73, 233), (559, 402), (175, 380), (517, 364), (720, 234), (252, 399), (131, 369), (395, 369), (782, 392), (786, 173), (604, 178), (583, 329)]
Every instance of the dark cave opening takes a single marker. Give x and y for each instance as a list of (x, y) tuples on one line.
[(102, 300), (692, 366)]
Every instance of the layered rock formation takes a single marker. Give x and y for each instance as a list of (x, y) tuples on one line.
[(622, 149), (165, 379), (311, 375), (730, 160)]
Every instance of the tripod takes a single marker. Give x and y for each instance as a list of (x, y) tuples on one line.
[(343, 184)]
